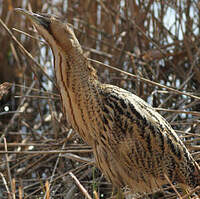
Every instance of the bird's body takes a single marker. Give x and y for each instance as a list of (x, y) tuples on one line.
[(133, 144)]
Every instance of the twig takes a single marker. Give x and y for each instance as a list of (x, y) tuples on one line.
[(5, 183), (145, 80), (173, 187), (25, 51), (84, 191), (31, 36), (46, 152), (195, 113), (8, 169), (16, 114), (191, 192), (54, 171)]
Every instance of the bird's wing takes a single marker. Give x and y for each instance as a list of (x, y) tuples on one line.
[(135, 120)]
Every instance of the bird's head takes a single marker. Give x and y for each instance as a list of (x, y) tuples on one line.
[(54, 31)]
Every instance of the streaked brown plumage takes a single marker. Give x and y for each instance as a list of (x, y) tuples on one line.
[(133, 144)]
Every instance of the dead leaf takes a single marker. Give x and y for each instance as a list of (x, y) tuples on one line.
[(155, 54), (4, 89)]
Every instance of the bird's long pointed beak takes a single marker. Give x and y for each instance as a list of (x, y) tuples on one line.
[(36, 18)]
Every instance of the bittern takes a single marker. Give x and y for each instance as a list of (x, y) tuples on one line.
[(133, 144)]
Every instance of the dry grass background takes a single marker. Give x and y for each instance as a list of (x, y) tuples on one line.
[(157, 41)]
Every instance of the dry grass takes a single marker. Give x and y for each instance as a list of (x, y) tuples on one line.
[(150, 48)]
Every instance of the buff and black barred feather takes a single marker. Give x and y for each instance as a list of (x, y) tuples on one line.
[(133, 144)]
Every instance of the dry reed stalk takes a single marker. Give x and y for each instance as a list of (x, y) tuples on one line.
[(141, 46)]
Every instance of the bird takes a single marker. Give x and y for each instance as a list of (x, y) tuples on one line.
[(133, 145)]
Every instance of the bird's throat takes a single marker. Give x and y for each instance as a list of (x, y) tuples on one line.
[(76, 81)]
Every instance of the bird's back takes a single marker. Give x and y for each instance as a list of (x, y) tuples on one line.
[(138, 147)]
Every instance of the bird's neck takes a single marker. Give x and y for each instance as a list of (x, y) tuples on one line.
[(72, 69), (78, 87)]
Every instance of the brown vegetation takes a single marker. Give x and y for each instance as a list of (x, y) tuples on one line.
[(156, 43)]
